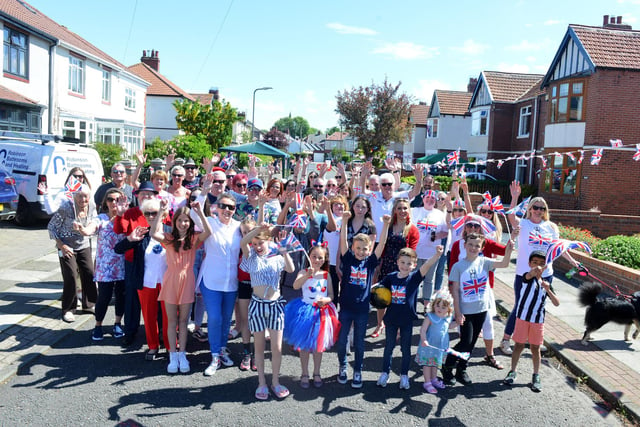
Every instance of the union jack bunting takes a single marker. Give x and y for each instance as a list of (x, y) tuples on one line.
[(544, 162), (558, 247), (71, 187), (299, 218), (453, 158), (535, 238), (500, 163), (521, 209), (596, 156), (615, 143), (474, 287), (581, 156), (571, 156), (636, 155)]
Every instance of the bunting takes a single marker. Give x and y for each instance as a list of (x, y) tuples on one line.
[(596, 156)]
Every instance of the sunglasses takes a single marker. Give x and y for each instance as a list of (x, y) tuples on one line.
[(151, 213), (230, 176), (175, 175), (331, 185), (118, 171), (386, 184), (318, 186), (190, 167), (112, 199), (255, 188), (227, 207), (441, 200), (240, 185), (538, 208), (472, 225), (486, 212), (338, 176), (458, 210), (78, 176), (219, 181)]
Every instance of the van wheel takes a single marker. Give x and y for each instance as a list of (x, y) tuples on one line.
[(24, 215)]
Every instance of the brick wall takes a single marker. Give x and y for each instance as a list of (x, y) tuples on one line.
[(601, 225)]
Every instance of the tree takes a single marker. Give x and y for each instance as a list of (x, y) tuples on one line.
[(109, 154), (376, 115), (277, 139), (185, 146), (332, 130), (214, 121), (297, 127)]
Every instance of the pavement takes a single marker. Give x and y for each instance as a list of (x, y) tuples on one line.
[(30, 324)]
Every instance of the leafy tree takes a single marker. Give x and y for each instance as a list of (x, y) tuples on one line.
[(297, 127), (376, 115), (186, 146), (109, 154), (331, 131), (215, 121), (276, 139)]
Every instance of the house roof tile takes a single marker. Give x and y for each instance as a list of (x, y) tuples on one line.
[(509, 87), (160, 85), (418, 114), (9, 95), (32, 17), (609, 47), (337, 136), (453, 102), (202, 98)]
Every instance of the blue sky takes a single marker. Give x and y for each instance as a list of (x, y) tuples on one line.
[(309, 50)]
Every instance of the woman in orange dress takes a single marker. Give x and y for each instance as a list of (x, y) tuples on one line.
[(179, 281)]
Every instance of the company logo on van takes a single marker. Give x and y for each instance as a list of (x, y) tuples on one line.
[(56, 160), (14, 159)]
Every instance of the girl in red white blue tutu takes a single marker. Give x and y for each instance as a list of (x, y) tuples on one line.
[(311, 323)]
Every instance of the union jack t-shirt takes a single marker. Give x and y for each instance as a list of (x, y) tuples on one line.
[(355, 287), (404, 297), (473, 280)]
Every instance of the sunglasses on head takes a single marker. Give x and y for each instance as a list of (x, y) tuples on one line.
[(227, 207), (386, 184), (538, 208)]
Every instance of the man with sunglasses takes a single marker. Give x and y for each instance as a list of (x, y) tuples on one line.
[(118, 180), (215, 185), (231, 173), (250, 206), (191, 175)]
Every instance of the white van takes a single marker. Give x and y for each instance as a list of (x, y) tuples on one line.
[(35, 158)]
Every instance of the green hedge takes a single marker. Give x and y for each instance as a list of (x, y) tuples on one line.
[(623, 250)]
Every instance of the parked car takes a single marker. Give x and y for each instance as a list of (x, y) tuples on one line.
[(8, 195), (480, 176)]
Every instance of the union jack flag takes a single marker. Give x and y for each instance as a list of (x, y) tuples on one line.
[(581, 156), (487, 197), (358, 276), (475, 286), (425, 225), (535, 238), (487, 226), (398, 294), (458, 223), (290, 243), (615, 143), (462, 173), (496, 205), (71, 187), (636, 155), (596, 156), (521, 209), (558, 247), (227, 161), (453, 158), (299, 218)]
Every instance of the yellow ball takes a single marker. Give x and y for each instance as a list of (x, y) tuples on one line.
[(380, 296)]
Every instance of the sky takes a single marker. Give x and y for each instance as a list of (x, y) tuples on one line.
[(309, 51)]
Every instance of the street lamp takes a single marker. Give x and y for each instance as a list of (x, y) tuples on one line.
[(253, 109)]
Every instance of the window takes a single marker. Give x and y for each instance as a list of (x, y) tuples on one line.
[(108, 134), (76, 75), (132, 139), (79, 129), (16, 52), (130, 99), (561, 176), (106, 86), (432, 128), (480, 123), (524, 125), (567, 102)]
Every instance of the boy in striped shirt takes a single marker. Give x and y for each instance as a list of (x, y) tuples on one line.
[(530, 317)]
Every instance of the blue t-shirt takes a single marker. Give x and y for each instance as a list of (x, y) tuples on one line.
[(404, 297), (355, 286)]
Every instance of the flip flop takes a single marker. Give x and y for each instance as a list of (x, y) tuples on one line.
[(280, 391), (262, 393)]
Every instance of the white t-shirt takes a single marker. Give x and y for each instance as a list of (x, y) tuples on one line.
[(547, 231), (434, 220), (219, 269), (333, 240), (381, 207), (155, 264)]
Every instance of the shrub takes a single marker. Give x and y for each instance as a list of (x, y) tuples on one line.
[(579, 234), (109, 154), (623, 250)]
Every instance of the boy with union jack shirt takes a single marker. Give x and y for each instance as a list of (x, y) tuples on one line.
[(401, 313), (469, 278)]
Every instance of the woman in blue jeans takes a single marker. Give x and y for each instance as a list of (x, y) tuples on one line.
[(218, 276)]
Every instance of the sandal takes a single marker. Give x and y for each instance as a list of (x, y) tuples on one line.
[(262, 393), (429, 388), (377, 331), (304, 381), (317, 381), (280, 391), (233, 334), (493, 362)]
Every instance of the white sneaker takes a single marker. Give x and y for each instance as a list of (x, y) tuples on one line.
[(213, 367), (183, 363), (404, 382), (383, 380), (225, 359), (173, 366), (505, 347), (543, 348), (68, 317)]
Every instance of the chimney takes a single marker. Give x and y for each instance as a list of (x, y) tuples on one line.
[(215, 94), (614, 23), (152, 59), (472, 84)]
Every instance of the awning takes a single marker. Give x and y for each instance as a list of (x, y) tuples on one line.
[(257, 147), (432, 158)]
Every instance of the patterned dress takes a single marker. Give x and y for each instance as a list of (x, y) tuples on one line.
[(437, 336)]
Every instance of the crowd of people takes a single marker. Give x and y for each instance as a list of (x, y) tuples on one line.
[(294, 262)]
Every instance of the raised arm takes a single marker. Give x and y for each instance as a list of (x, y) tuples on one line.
[(156, 225), (515, 190), (246, 240), (141, 158), (386, 219), (427, 265), (418, 173), (206, 227), (344, 244)]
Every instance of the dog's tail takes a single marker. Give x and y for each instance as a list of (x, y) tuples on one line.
[(588, 293)]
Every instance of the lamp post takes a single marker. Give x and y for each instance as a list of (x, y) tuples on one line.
[(253, 108)]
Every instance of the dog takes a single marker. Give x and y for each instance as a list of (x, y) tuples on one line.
[(601, 311)]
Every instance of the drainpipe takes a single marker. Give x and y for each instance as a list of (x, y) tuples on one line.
[(52, 63), (534, 132)]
